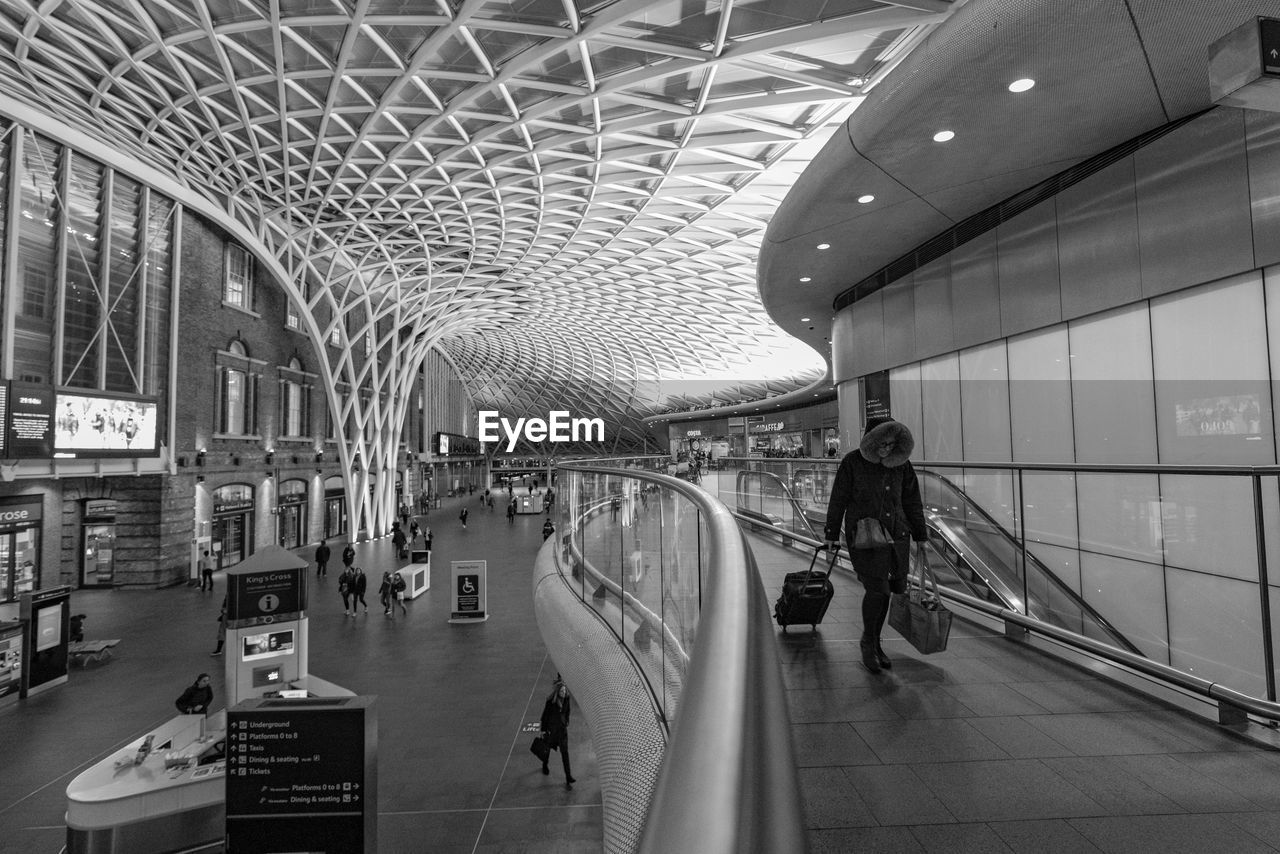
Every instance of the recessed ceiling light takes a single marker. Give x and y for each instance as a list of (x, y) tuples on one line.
[(867, 199), (804, 320), (944, 135), (824, 245), (1021, 85), (806, 279)]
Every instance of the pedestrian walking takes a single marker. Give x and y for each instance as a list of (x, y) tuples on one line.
[(359, 584), (463, 517), (511, 513), (206, 571), (427, 537), (349, 556), (322, 559), (547, 530), (398, 539), (222, 628), (414, 530), (345, 584), (385, 594), (398, 587), (876, 482), (555, 727)]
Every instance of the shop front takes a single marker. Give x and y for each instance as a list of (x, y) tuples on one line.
[(232, 523), (291, 513), (20, 521), (97, 541), (335, 507)]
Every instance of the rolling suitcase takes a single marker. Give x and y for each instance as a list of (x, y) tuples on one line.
[(806, 595)]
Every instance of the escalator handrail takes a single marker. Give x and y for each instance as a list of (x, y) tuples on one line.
[(733, 730), (796, 509), (1044, 572)]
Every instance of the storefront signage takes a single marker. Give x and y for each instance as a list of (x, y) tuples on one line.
[(30, 424), (233, 506), (20, 514), (1269, 37), (692, 434), (301, 775), (453, 445), (260, 595), (468, 591), (771, 427)]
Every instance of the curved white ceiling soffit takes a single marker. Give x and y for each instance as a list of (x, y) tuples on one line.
[(1105, 71), (567, 197)]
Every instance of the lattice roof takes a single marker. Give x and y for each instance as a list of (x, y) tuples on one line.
[(566, 197)]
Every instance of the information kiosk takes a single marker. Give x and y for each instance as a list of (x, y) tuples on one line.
[(166, 791)]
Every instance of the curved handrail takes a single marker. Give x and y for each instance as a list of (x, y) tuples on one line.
[(728, 780)]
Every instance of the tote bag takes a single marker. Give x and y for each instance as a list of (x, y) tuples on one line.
[(919, 615)]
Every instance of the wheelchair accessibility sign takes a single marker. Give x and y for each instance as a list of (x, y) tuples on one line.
[(468, 591)]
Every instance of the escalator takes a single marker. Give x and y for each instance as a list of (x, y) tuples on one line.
[(968, 551)]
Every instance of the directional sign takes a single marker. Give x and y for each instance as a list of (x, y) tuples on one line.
[(301, 774), (1269, 37)]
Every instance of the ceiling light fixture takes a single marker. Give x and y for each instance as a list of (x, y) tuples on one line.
[(867, 199), (1021, 85), (824, 245), (804, 320), (944, 136), (806, 279)]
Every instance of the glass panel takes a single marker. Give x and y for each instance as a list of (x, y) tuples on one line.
[(6, 568), (236, 290), (1111, 388), (37, 261), (905, 402), (26, 553), (1215, 630), (1212, 392), (984, 403), (159, 273), (123, 309), (1207, 524), (1120, 514), (82, 313), (99, 554), (1049, 508), (235, 402), (940, 393), (1040, 397), (1131, 595)]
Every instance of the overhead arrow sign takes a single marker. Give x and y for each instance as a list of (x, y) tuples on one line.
[(1269, 37)]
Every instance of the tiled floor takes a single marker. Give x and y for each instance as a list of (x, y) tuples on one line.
[(991, 747), (455, 773)]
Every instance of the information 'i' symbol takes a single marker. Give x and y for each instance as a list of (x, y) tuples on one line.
[(269, 603)]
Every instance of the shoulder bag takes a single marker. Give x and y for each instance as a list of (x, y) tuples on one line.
[(919, 615), (870, 533)]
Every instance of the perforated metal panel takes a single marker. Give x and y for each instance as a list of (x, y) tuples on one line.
[(628, 740)]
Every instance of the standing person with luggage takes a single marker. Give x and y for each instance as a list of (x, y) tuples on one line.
[(876, 490), (322, 559)]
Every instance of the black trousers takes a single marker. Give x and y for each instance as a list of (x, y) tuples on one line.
[(563, 747)]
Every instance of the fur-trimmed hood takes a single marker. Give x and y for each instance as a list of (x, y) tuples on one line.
[(895, 431)]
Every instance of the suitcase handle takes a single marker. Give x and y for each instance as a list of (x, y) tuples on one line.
[(835, 553)]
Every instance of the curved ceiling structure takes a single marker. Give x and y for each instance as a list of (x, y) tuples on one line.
[(566, 197), (1104, 72)]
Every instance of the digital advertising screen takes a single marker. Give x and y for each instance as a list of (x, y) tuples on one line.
[(48, 627), (1227, 415), (267, 644), (88, 425)]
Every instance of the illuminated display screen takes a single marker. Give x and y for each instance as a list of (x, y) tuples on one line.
[(267, 644), (93, 426), (1230, 415)]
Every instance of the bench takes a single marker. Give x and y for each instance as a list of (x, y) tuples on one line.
[(86, 651)]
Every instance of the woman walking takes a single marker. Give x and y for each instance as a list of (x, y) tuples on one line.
[(876, 485), (555, 727)]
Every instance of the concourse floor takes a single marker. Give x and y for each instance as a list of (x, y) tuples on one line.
[(454, 769), (994, 747)]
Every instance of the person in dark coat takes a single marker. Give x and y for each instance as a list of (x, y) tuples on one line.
[(547, 529), (346, 584), (398, 539), (322, 559), (348, 556), (197, 698), (359, 584), (877, 481), (555, 727)]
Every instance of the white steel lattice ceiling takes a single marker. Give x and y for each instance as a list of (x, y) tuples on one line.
[(566, 198)]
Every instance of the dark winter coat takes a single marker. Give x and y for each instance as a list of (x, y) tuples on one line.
[(348, 555), (195, 700), (359, 583), (867, 487), (322, 553), (555, 720)]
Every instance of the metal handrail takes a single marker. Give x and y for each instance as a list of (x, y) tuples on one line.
[(728, 781), (1224, 696)]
